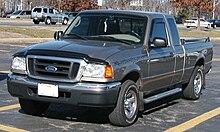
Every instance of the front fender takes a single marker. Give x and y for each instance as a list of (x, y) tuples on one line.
[(122, 72), (201, 56)]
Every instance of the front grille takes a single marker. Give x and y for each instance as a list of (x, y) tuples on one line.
[(64, 70)]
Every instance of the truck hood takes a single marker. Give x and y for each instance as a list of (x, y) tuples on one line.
[(100, 50)]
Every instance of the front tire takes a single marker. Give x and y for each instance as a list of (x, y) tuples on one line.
[(33, 107), (214, 26), (126, 110), (194, 88)]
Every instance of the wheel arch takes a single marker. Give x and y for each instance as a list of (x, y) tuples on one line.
[(48, 17), (136, 77), (66, 18), (200, 62), (133, 75)]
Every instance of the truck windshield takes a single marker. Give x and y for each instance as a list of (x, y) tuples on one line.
[(125, 29)]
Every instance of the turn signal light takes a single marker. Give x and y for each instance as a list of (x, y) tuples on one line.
[(109, 72)]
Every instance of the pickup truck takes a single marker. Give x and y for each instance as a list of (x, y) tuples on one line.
[(119, 60)]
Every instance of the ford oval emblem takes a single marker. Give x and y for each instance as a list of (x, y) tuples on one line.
[(51, 68)]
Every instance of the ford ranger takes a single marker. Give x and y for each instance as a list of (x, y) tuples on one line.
[(112, 59)]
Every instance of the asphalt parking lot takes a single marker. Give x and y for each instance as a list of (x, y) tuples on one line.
[(170, 114)]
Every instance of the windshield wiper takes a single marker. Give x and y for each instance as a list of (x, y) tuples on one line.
[(116, 39), (76, 35)]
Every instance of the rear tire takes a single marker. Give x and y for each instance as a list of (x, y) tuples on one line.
[(187, 26), (194, 88), (33, 107), (48, 21), (126, 111)]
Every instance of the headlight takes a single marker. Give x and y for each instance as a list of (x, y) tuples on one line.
[(98, 71), (18, 65)]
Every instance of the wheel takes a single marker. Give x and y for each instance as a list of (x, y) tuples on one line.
[(208, 27), (126, 110), (53, 23), (48, 21), (214, 26), (65, 21), (194, 87), (36, 22), (33, 107), (187, 26)]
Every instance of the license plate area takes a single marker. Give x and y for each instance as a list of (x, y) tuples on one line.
[(47, 90)]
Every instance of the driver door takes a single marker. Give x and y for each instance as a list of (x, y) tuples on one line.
[(161, 59)]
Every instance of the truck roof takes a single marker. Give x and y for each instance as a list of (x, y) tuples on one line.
[(128, 12)]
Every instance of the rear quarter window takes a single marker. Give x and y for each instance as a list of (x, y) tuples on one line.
[(174, 31), (37, 10)]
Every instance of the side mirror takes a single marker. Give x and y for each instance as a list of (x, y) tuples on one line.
[(58, 34), (159, 43)]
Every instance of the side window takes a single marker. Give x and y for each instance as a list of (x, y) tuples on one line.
[(28, 13), (23, 13), (56, 11), (158, 30), (51, 11), (174, 31), (45, 10)]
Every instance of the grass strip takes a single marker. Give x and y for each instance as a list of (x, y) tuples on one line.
[(30, 31)]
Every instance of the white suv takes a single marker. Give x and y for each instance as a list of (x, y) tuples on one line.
[(49, 15)]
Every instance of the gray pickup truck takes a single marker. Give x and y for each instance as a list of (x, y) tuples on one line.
[(118, 60)]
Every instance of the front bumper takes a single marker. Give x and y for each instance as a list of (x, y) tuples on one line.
[(81, 94)]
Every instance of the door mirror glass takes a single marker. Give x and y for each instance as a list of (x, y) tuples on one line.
[(158, 43), (58, 34)]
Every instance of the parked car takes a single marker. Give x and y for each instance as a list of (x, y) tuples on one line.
[(217, 23), (49, 15), (214, 23), (179, 20), (193, 22), (71, 15), (20, 14), (113, 59), (7, 14)]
